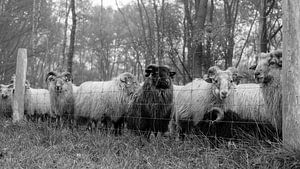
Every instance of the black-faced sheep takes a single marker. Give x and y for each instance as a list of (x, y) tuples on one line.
[(199, 96), (5, 100), (106, 101), (61, 96), (151, 107), (232, 126), (268, 75)]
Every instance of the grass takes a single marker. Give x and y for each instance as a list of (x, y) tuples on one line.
[(31, 145)]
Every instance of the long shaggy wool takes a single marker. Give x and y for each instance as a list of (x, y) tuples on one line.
[(150, 109), (99, 99), (37, 101), (196, 98), (247, 100), (272, 93), (5, 100), (234, 127), (62, 103)]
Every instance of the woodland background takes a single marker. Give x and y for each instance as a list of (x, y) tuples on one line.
[(97, 43)]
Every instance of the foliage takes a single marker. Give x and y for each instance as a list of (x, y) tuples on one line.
[(110, 41)]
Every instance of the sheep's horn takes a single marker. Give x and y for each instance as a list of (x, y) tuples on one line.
[(220, 114), (212, 71)]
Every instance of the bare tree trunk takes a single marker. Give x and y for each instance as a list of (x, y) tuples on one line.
[(72, 37), (198, 36), (188, 35), (291, 74), (208, 56), (68, 7), (146, 40), (231, 10), (263, 27)]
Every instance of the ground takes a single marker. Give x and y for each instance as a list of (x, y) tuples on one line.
[(32, 145)]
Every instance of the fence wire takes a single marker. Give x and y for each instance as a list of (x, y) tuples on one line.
[(37, 104)]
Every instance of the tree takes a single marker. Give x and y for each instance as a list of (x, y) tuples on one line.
[(231, 8), (291, 74), (72, 37)]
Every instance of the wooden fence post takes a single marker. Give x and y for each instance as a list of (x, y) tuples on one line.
[(291, 74), (18, 101)]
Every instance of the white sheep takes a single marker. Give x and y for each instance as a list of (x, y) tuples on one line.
[(247, 101), (199, 96), (37, 103), (106, 101), (268, 75), (61, 91)]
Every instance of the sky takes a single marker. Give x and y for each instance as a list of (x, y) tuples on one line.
[(111, 3)]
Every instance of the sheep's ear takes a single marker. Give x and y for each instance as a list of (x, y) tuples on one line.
[(212, 71), (276, 57), (50, 74), (69, 76), (150, 69), (172, 74)]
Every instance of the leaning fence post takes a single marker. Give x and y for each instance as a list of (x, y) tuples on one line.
[(18, 101)]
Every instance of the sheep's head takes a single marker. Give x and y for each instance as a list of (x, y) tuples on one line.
[(130, 82), (161, 76), (222, 81), (6, 90), (59, 82), (268, 66)]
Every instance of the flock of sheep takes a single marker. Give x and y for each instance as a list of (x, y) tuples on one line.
[(215, 106)]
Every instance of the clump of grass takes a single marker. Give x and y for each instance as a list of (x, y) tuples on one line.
[(35, 145)]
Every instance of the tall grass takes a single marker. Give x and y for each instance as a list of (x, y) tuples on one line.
[(32, 145)]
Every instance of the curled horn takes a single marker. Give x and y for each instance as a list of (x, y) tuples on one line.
[(149, 69), (276, 57), (212, 71), (50, 74), (220, 115)]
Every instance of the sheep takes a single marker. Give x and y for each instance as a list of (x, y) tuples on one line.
[(62, 101), (37, 103), (106, 101), (199, 96), (5, 100), (233, 127), (151, 106), (247, 100), (172, 124), (268, 75)]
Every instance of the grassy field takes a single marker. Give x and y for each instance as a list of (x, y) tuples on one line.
[(31, 145)]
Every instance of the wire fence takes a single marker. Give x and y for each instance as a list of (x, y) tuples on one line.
[(234, 125)]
